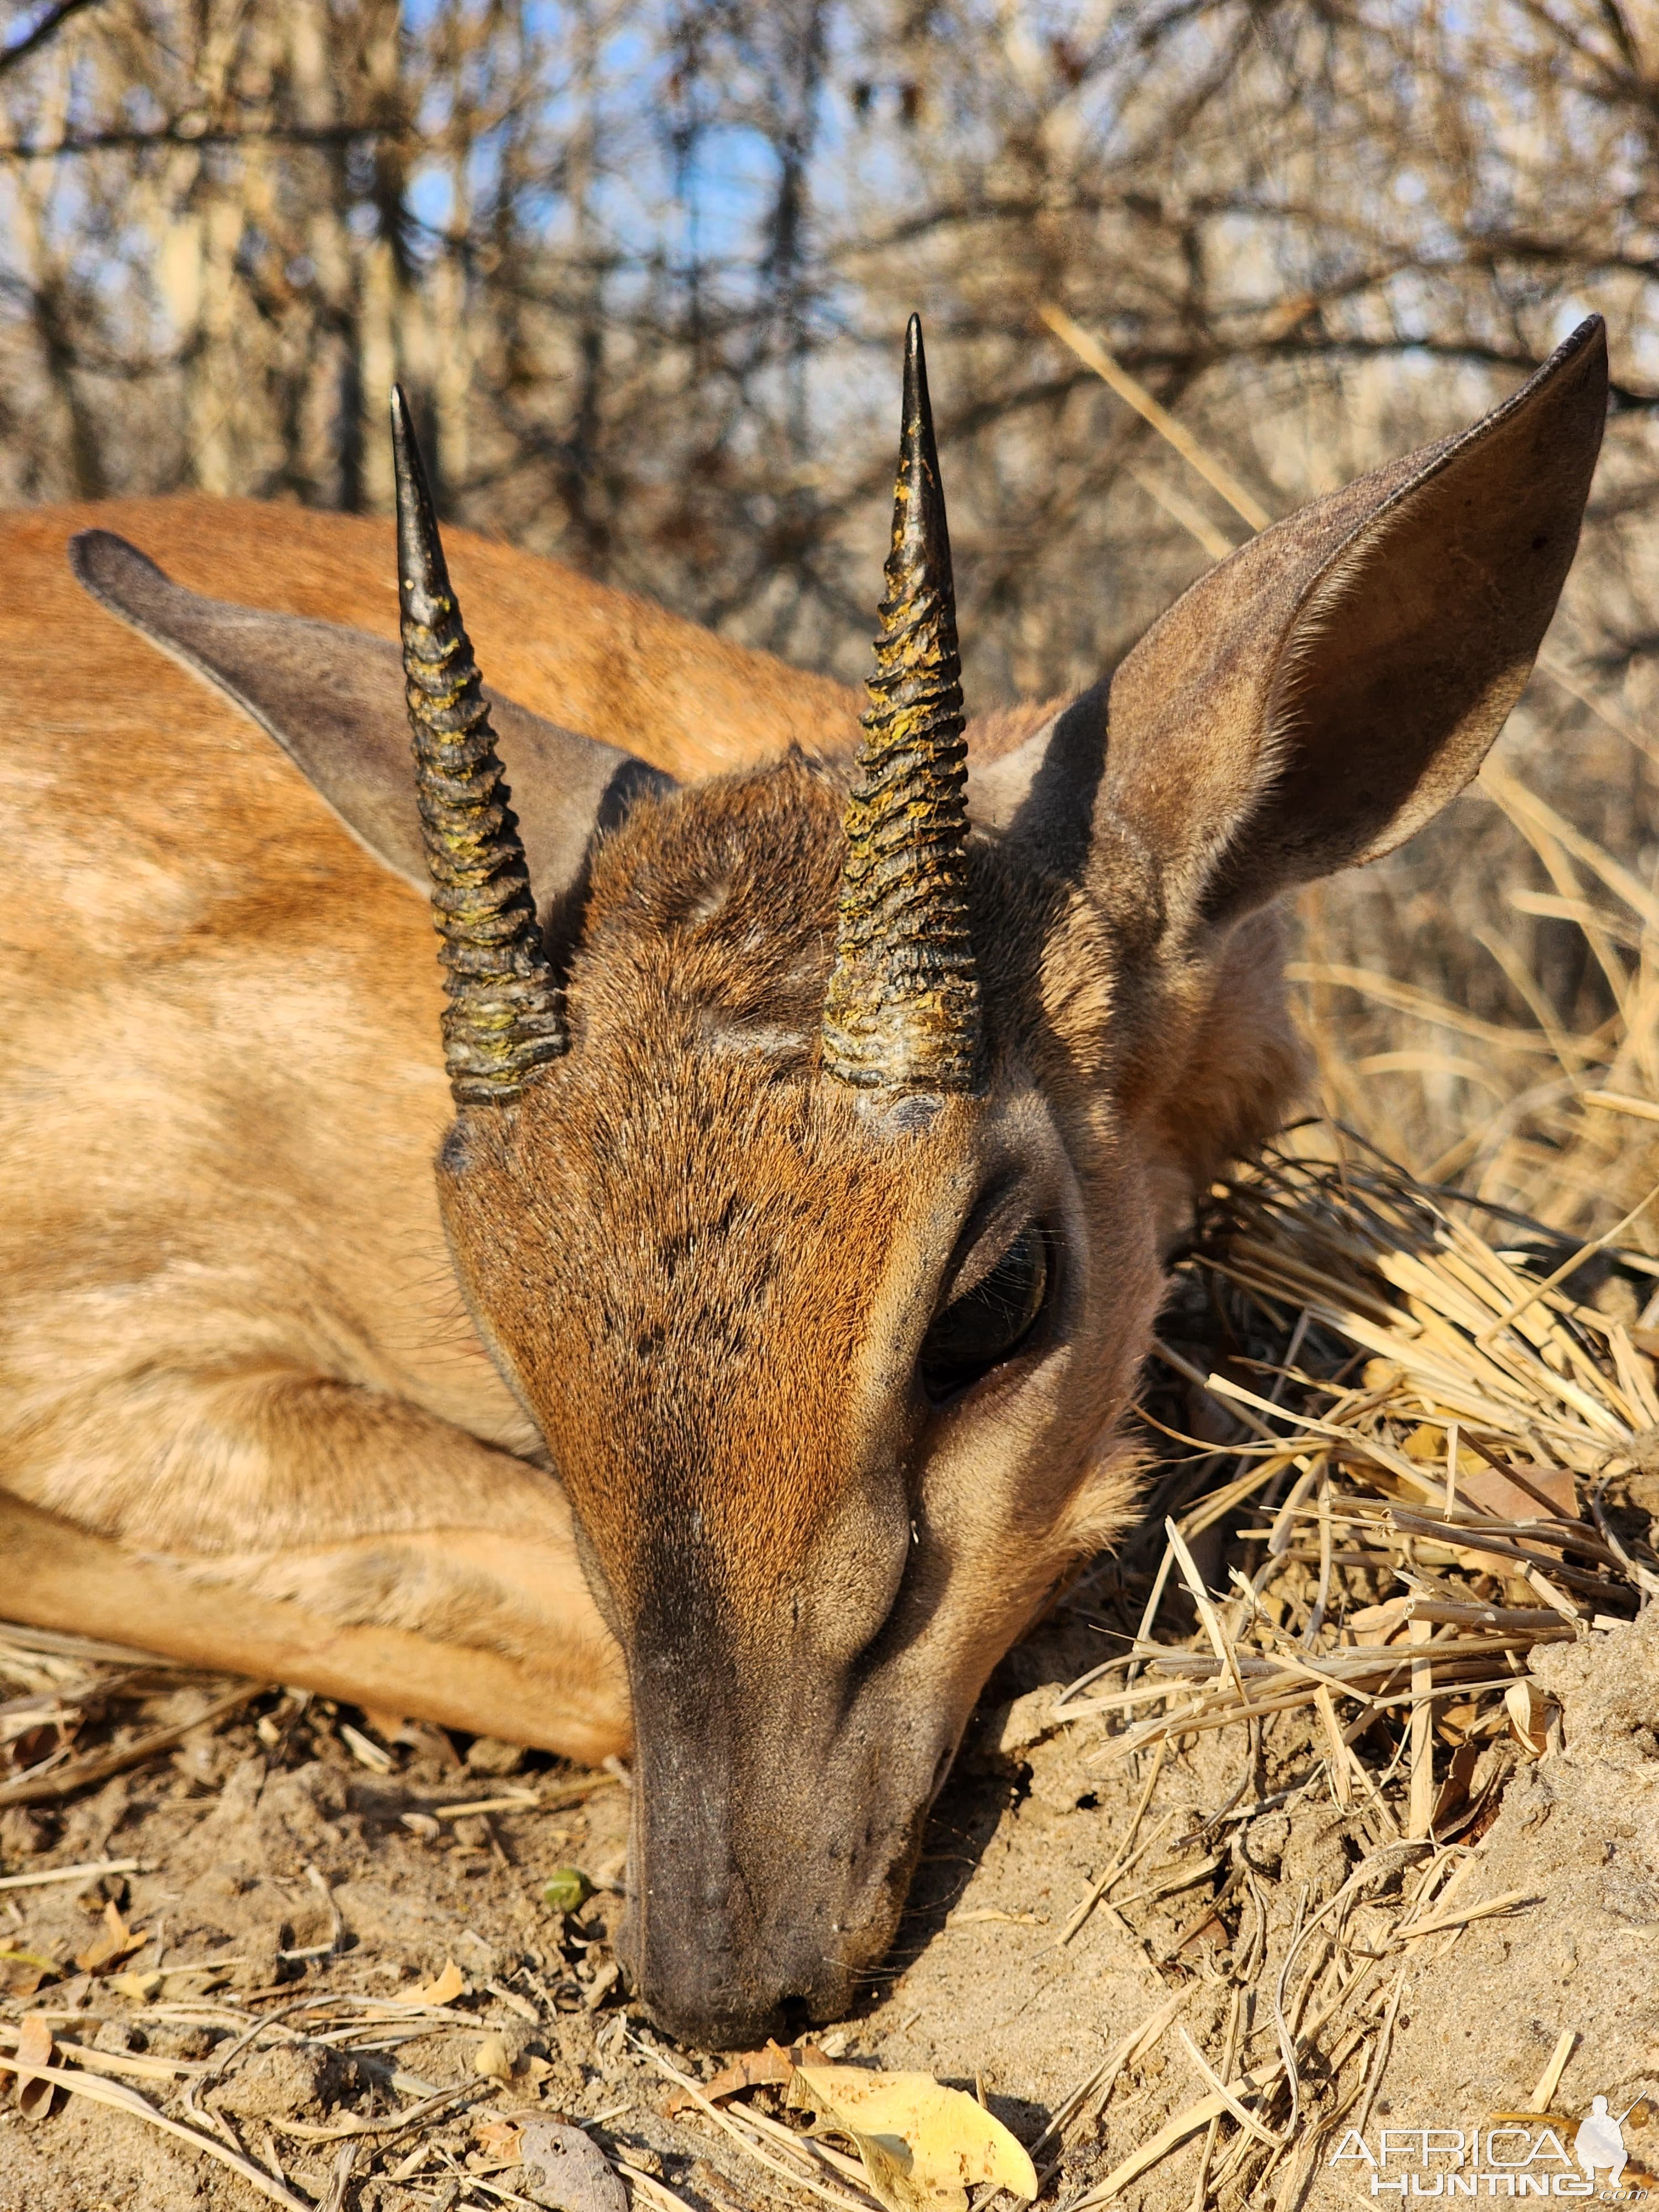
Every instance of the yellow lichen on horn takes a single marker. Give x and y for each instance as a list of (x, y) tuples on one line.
[(504, 1020), (902, 1010)]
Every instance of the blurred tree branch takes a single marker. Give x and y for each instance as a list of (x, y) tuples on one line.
[(48, 27)]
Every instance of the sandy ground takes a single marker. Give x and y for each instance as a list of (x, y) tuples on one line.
[(1450, 2031)]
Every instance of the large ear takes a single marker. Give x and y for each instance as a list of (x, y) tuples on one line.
[(333, 700), (1321, 694)]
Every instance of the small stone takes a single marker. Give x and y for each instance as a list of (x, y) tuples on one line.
[(566, 2170), (488, 1754), (260, 1967)]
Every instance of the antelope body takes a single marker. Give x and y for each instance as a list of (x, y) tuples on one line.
[(751, 1369)]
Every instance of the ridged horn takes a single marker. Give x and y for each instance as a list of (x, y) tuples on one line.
[(504, 1018), (902, 1010)]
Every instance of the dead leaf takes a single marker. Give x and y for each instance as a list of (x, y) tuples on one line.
[(771, 2063), (1531, 1717), (498, 2139), (568, 2171), (491, 2059), (22, 1972), (31, 1745), (1489, 1487), (1377, 1624), (1455, 1790), (922, 2145), (114, 1942), (442, 1990), (34, 2099)]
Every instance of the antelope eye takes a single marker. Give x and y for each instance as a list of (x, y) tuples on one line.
[(986, 1324)]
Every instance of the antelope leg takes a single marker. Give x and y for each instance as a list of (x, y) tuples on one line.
[(53, 1575)]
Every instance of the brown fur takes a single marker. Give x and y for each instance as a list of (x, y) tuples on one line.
[(245, 1339)]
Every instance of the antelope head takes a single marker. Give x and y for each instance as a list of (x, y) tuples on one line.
[(815, 1211), (820, 1129)]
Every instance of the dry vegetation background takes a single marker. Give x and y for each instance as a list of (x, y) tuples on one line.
[(645, 266), (644, 269)]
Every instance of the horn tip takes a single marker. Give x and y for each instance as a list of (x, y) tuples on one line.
[(422, 573)]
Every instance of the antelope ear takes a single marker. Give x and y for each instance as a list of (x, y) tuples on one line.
[(1315, 699), (333, 700)]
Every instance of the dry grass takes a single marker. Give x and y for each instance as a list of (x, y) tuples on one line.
[(1419, 1338), (1435, 1432), (1440, 1424)]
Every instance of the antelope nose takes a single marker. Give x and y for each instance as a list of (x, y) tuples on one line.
[(712, 1973)]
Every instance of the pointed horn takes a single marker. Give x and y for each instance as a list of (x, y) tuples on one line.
[(903, 1010), (504, 1020)]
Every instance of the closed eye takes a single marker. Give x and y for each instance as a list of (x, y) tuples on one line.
[(988, 1322)]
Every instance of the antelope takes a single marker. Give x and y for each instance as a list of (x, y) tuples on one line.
[(823, 1104)]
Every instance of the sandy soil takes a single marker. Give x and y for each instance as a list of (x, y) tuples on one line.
[(229, 1826)]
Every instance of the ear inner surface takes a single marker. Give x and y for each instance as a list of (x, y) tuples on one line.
[(1318, 695), (332, 698), (1330, 687)]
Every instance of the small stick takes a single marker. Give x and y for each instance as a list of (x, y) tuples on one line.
[(88, 1872), (1437, 1921), (1644, 1578), (335, 2200), (1567, 1268), (727, 2127), (394, 2124), (1552, 1596), (1384, 2044), (1644, 1109), (1208, 2073), (1158, 2146), (1134, 2045), (1338, 1750), (1206, 1612), (139, 2064), (1116, 1868), (556, 1800), (1210, 1384), (849, 2168), (1322, 1595), (1550, 2080), (647, 2186), (1089, 351), (100, 2091), (1235, 2019), (1420, 1808)]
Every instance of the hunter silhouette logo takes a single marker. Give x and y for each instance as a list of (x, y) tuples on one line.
[(1600, 2140)]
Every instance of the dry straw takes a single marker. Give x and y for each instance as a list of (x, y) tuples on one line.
[(1441, 1404)]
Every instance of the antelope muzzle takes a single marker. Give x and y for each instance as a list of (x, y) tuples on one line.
[(776, 1827)]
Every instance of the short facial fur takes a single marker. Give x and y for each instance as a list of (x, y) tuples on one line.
[(708, 1275), (713, 1298)]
